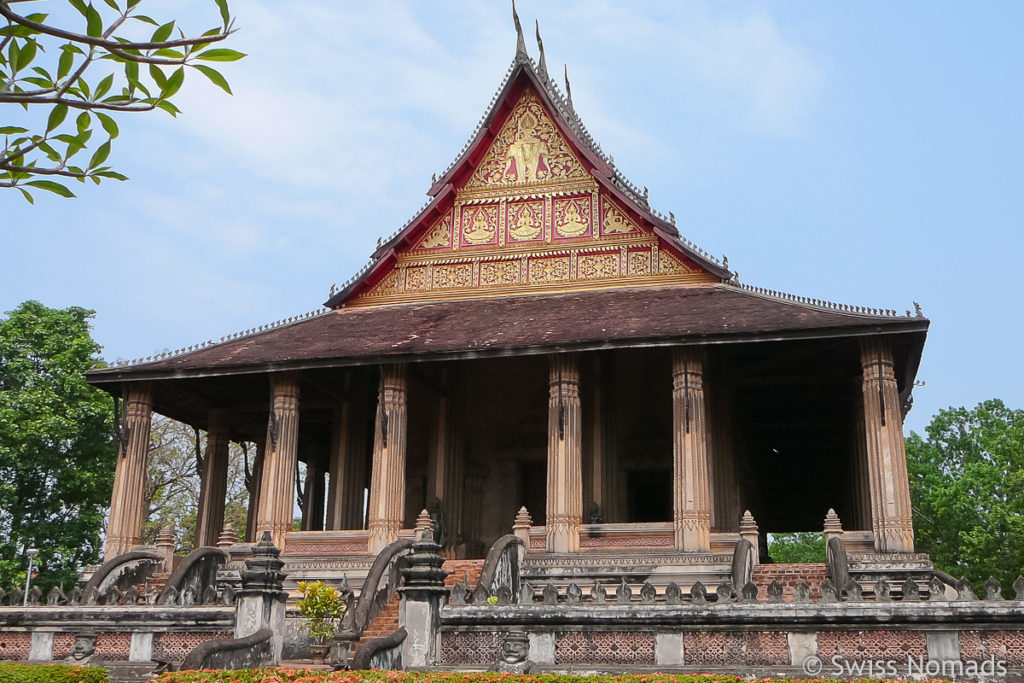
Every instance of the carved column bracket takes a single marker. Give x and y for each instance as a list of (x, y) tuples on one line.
[(690, 484), (387, 483), (565, 447), (127, 500), (887, 458)]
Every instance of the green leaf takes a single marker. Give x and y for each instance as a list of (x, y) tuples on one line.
[(171, 54), (214, 76), (57, 115), (27, 195), (224, 14), (39, 82), (37, 17), (108, 124), (100, 155), (158, 76), (163, 33), (168, 107), (51, 186), (11, 130), (221, 54), (93, 22), (80, 6), (83, 122), (112, 5), (103, 87), (173, 83), (131, 71), (133, 3), (83, 86), (112, 174), (145, 19), (26, 55)]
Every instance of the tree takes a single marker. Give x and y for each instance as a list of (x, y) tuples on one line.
[(804, 546), (42, 159), (173, 486), (967, 490), (56, 444)]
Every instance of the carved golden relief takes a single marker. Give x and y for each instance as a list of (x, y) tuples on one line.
[(527, 149), (598, 266), (416, 278), (389, 284), (439, 235), (553, 269), (497, 273), (614, 221), (525, 221), (453, 275), (572, 216), (640, 262), (479, 224), (671, 265)]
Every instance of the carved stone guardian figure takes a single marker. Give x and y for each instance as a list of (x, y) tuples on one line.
[(515, 653)]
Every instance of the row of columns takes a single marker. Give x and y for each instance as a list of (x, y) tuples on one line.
[(272, 506)]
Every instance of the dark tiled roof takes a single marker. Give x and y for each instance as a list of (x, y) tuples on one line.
[(521, 324)]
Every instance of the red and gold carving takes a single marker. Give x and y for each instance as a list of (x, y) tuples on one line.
[(439, 236), (453, 275), (598, 266), (553, 269), (640, 262), (572, 217), (525, 221), (527, 150), (672, 265), (417, 278), (498, 273), (389, 284), (479, 225), (614, 220)]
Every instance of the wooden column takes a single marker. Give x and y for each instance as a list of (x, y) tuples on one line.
[(313, 517), (445, 479), (256, 482), (887, 459), (690, 485), (340, 455), (387, 482), (127, 500), (565, 446), (277, 492), (213, 483)]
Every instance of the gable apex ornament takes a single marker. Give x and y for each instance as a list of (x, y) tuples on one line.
[(542, 62), (521, 54)]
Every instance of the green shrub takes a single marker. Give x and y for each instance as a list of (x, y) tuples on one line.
[(13, 672), (322, 608)]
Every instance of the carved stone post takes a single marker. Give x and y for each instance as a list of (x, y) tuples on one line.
[(214, 481), (420, 608), (887, 459), (127, 500), (565, 448), (387, 483), (690, 485), (165, 547), (748, 531), (260, 604), (277, 491), (521, 527)]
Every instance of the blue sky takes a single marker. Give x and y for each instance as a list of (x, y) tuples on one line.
[(867, 153)]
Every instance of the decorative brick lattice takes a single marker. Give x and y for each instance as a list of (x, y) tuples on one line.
[(113, 646), (627, 541), (15, 646), (604, 647), (174, 647), (62, 645), (470, 647), (707, 648), (854, 645), (1007, 646)]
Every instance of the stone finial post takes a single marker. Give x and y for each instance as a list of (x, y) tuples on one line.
[(521, 526), (749, 531), (228, 537), (421, 599), (260, 604), (424, 523), (165, 546), (833, 527)]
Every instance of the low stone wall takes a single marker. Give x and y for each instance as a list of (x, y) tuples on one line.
[(122, 633)]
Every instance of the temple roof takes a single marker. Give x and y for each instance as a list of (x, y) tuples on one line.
[(603, 319)]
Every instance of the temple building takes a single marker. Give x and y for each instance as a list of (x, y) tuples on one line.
[(538, 345)]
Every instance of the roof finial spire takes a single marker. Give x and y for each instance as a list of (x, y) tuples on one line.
[(521, 54), (568, 90), (542, 64)]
